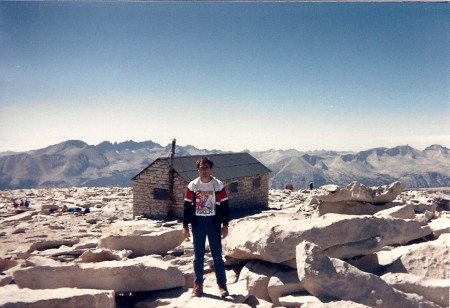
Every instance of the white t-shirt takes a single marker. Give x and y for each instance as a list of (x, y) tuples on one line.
[(205, 203)]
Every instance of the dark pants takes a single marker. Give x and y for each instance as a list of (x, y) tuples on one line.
[(207, 226)]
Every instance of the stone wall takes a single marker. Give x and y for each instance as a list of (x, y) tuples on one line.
[(179, 188), (144, 203), (251, 192)]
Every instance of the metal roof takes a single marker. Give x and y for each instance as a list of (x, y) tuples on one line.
[(226, 166)]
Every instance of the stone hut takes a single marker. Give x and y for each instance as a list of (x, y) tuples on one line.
[(158, 193)]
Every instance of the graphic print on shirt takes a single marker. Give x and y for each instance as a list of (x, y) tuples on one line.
[(205, 203)]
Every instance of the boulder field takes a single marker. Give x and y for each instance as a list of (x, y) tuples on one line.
[(352, 246)]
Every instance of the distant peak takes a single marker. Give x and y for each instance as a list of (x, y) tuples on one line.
[(70, 144), (437, 148), (75, 143), (126, 145), (402, 150)]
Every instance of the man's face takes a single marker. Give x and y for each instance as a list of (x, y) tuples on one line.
[(204, 170)]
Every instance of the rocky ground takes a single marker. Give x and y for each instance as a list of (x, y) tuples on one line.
[(351, 246)]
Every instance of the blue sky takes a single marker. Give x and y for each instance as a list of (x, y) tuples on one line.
[(226, 75)]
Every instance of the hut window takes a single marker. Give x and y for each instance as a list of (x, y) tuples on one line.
[(234, 187), (257, 182), (161, 194)]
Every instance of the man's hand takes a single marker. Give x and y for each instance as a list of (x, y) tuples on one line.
[(186, 232), (224, 231)]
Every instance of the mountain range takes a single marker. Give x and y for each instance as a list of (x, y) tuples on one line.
[(76, 163)]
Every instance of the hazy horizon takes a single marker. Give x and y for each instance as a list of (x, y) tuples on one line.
[(210, 149)]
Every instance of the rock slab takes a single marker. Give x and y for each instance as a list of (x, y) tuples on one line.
[(276, 239), (326, 277), (12, 296), (158, 242), (133, 275)]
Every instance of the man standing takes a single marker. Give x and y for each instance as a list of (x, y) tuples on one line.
[(206, 209)]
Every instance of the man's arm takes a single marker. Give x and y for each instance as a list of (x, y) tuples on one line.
[(224, 207), (224, 212), (188, 211)]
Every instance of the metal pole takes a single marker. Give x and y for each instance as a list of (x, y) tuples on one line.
[(172, 154)]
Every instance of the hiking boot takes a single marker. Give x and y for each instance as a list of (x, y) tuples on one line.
[(197, 291), (223, 291)]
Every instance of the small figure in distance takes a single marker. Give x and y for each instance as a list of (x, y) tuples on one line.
[(311, 186), (67, 209)]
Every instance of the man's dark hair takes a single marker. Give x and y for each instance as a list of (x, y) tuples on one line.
[(204, 160)]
